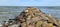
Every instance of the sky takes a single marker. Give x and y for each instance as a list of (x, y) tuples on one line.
[(29, 2)]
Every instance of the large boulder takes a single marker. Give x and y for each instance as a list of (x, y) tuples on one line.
[(33, 17)]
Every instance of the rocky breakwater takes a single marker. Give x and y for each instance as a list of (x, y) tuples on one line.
[(33, 17)]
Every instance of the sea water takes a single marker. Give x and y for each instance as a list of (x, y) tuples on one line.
[(10, 12)]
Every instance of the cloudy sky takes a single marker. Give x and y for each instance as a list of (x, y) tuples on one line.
[(29, 2)]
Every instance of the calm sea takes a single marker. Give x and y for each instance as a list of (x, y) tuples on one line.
[(10, 12)]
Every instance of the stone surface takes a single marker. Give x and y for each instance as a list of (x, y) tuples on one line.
[(33, 17)]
